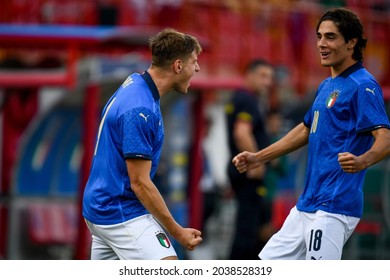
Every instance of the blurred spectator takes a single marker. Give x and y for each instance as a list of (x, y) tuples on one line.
[(246, 131), (208, 185), (276, 170)]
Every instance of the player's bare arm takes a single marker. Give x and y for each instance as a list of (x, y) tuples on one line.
[(379, 150), (150, 197), (293, 140)]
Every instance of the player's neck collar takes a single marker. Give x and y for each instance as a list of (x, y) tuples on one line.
[(352, 69), (152, 86)]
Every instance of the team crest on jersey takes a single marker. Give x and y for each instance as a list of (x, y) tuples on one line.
[(163, 239), (332, 99)]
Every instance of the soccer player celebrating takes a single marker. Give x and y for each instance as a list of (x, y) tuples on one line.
[(122, 207), (347, 131)]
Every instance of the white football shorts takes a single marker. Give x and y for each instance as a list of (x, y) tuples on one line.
[(310, 236), (141, 238)]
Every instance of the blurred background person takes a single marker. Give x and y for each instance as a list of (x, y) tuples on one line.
[(277, 170), (247, 131)]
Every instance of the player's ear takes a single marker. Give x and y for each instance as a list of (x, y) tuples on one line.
[(351, 43), (177, 65)]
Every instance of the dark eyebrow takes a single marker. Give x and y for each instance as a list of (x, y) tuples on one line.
[(327, 34)]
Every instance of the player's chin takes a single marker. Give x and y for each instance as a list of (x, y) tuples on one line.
[(326, 63), (182, 88), (184, 92)]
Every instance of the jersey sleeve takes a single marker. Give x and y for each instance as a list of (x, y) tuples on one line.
[(371, 112), (137, 130), (308, 117)]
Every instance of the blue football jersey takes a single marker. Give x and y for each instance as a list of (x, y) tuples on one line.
[(345, 110), (131, 127)]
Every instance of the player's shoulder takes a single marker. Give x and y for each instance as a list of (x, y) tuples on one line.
[(133, 81), (133, 93), (362, 76), (325, 83), (132, 86)]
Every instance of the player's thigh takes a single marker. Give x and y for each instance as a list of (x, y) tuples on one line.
[(100, 250), (327, 234), (141, 238), (288, 243), (119, 238), (153, 242)]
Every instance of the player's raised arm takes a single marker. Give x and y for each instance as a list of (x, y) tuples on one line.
[(380, 149), (293, 140), (150, 197)]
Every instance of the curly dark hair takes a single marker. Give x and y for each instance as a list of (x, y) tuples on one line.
[(349, 26)]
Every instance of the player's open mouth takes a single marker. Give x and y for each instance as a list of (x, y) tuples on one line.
[(324, 54)]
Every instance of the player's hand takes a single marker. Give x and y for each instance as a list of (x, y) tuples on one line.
[(245, 161), (189, 238), (350, 163)]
